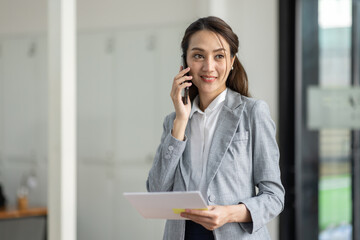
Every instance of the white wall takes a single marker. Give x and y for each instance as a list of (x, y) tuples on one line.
[(101, 178), (19, 17), (96, 14), (256, 23)]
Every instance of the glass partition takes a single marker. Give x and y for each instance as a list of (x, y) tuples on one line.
[(320, 118), (335, 202)]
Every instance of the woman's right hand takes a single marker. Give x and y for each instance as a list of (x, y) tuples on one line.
[(182, 111), (179, 83)]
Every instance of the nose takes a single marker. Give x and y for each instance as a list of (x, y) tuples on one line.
[(208, 65)]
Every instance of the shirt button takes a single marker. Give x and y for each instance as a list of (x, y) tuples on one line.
[(211, 198), (171, 148)]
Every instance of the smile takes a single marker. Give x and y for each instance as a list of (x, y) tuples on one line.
[(208, 78)]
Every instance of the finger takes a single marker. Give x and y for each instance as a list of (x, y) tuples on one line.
[(177, 86), (182, 80), (198, 215), (182, 86), (198, 219), (182, 72), (176, 91), (208, 226), (198, 212), (211, 207), (208, 223), (181, 68)]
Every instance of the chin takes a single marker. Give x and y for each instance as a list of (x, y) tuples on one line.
[(209, 89)]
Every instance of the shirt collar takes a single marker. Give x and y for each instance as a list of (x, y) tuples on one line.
[(212, 106)]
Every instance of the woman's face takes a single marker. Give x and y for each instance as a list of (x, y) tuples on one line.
[(210, 62)]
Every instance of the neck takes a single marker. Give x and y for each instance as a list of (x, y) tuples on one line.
[(206, 99), (204, 102)]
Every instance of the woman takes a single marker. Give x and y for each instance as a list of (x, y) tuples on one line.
[(222, 144)]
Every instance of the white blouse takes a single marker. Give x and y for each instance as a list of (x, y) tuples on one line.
[(203, 125)]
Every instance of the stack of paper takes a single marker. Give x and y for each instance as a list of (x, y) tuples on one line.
[(165, 205)]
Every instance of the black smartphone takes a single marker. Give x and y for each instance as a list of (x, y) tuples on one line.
[(186, 90)]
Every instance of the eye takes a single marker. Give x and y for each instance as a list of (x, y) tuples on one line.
[(219, 56), (198, 56)]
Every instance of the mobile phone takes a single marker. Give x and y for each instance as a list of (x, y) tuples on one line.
[(186, 90)]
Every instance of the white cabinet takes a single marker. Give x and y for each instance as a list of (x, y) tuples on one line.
[(129, 223), (23, 115), (124, 82), (136, 71), (95, 210), (95, 89), (168, 65)]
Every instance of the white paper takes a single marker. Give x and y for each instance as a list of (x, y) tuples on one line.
[(165, 205)]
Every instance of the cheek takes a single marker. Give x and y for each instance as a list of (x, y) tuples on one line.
[(223, 70), (227, 66), (194, 67)]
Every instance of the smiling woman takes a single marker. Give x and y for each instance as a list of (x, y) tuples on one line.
[(237, 78), (209, 60), (222, 144)]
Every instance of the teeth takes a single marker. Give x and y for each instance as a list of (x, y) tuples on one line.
[(208, 78)]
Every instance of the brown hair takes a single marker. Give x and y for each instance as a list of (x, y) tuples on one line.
[(237, 79)]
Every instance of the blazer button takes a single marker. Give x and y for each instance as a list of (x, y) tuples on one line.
[(171, 148), (211, 198)]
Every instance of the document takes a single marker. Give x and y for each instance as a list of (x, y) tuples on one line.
[(165, 205)]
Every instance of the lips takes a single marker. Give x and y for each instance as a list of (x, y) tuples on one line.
[(207, 78)]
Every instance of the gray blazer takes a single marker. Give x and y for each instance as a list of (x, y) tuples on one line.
[(243, 154)]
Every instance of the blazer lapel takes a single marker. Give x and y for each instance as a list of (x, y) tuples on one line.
[(185, 164), (226, 126)]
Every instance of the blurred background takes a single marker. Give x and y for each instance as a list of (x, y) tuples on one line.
[(301, 57)]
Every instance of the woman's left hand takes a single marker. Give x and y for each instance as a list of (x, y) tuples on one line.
[(211, 219)]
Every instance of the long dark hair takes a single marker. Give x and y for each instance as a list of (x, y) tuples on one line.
[(237, 79)]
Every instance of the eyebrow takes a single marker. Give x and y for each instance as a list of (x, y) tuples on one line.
[(202, 50)]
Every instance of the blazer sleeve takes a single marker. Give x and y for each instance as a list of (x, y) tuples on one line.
[(269, 201), (167, 157)]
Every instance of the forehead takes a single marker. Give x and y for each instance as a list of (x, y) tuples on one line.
[(208, 41)]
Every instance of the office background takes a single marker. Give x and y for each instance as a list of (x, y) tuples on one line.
[(127, 55)]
